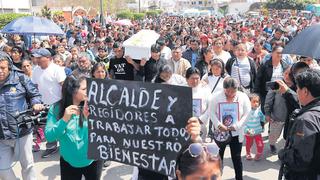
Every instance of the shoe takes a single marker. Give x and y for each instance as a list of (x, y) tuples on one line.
[(258, 157), (49, 152), (35, 148), (273, 149), (106, 163), (248, 157)]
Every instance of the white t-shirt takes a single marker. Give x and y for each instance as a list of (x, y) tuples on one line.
[(224, 56), (166, 53), (277, 73), (48, 81), (212, 80)]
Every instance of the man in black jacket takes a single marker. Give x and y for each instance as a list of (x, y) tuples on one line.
[(301, 155), (192, 54), (149, 69)]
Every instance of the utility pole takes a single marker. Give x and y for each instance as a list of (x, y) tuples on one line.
[(101, 14), (2, 11), (139, 6)]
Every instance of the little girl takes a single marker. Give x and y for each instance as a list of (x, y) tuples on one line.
[(253, 128)]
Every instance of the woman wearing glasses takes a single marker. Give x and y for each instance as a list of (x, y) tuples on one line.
[(199, 161), (228, 112)]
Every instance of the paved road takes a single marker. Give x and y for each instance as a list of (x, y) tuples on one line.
[(48, 169)]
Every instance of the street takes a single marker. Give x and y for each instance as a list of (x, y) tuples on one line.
[(48, 169)]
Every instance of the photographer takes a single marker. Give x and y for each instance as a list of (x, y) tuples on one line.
[(16, 90), (301, 155), (287, 88), (270, 71)]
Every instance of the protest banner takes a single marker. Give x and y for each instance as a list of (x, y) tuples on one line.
[(139, 124), (139, 45)]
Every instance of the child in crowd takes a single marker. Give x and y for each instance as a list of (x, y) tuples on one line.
[(253, 128), (57, 59)]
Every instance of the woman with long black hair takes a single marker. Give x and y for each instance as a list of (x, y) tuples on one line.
[(67, 123)]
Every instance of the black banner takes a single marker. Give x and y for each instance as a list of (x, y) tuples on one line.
[(139, 124)]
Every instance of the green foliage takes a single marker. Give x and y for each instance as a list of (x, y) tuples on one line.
[(138, 16), (255, 6), (288, 4), (153, 13), (7, 18), (46, 12), (57, 13), (224, 9), (125, 14)]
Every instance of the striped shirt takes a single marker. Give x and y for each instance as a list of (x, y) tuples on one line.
[(253, 122), (242, 66)]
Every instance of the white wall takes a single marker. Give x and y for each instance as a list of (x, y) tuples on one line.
[(15, 5), (235, 8)]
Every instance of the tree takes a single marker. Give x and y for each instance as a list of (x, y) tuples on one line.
[(111, 6), (46, 12), (224, 9), (7, 18), (255, 6), (288, 4)]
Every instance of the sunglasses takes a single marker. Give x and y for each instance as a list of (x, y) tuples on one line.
[(196, 149)]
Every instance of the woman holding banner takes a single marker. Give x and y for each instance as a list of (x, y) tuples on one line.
[(228, 111), (67, 123), (200, 98)]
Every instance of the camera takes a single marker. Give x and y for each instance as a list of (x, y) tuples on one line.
[(272, 85)]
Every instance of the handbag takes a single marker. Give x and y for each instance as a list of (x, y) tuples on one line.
[(222, 138)]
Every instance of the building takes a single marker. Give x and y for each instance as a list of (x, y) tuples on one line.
[(198, 4), (15, 6)]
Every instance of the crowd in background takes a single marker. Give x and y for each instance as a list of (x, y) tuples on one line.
[(222, 59)]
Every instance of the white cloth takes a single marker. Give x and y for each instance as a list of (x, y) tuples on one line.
[(224, 56), (244, 110), (48, 81), (203, 94), (177, 80), (166, 53), (212, 80), (277, 73)]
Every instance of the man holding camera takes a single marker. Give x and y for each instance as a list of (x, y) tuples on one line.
[(301, 155), (16, 91)]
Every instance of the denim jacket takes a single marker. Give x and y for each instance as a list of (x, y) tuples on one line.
[(16, 91)]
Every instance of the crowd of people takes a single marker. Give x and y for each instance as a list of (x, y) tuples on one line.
[(223, 60)]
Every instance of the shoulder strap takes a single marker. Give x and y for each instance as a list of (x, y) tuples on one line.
[(215, 85), (239, 72)]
